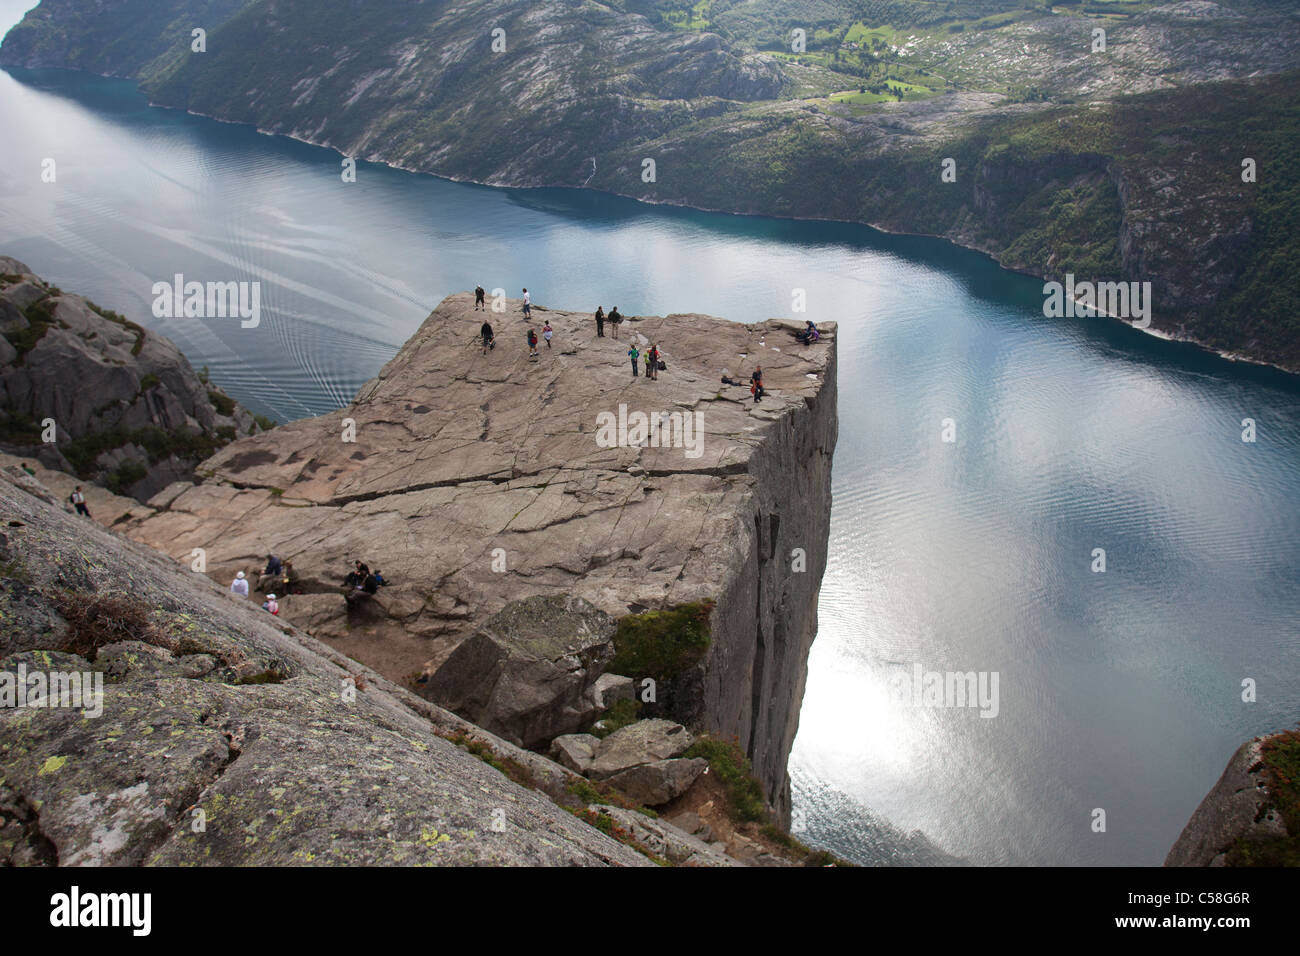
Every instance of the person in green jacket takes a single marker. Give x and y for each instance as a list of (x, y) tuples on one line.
[(633, 354)]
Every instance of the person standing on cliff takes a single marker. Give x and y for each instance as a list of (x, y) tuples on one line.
[(79, 501), (615, 319), (652, 362), (633, 354), (486, 334), (756, 384), (547, 332), (600, 322), (528, 305), (479, 299), (532, 343)]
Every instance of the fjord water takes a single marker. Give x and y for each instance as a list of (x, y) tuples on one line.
[(1119, 691)]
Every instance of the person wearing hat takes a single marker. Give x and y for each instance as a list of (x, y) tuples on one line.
[(271, 604), (239, 585)]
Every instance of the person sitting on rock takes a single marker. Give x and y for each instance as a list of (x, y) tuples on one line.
[(273, 568), (239, 585), (809, 335), (271, 604), (370, 584), (357, 575), (29, 469), (379, 579)]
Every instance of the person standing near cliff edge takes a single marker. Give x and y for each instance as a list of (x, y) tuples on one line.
[(600, 322), (633, 354), (478, 299), (528, 305)]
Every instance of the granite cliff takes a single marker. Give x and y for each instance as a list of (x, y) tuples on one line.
[(89, 392), (472, 480)]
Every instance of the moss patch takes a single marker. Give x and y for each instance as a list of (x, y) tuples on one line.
[(662, 644), (1281, 757)]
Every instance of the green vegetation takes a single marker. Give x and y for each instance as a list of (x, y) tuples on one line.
[(149, 381), (618, 716), (662, 644), (263, 423), (17, 428), (730, 765), (1281, 757), (82, 452), (224, 404), (40, 319), (125, 475)]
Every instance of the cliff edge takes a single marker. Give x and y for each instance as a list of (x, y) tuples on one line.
[(472, 480)]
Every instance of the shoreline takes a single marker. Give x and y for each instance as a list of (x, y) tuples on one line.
[(1237, 358)]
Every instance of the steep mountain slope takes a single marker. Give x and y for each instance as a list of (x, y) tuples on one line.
[(89, 392)]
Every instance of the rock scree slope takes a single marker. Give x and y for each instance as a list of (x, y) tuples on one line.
[(476, 480)]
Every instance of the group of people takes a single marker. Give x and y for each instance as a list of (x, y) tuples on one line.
[(615, 318), (361, 580), (654, 362), (277, 574), (755, 383), (809, 334)]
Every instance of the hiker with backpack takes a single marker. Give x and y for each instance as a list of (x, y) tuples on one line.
[(79, 501), (652, 362), (756, 384), (532, 344)]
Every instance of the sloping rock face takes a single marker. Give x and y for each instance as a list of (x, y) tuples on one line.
[(227, 737), (473, 480), (128, 411), (527, 674), (1233, 810)]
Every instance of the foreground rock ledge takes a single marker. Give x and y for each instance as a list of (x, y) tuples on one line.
[(293, 754), (476, 480)]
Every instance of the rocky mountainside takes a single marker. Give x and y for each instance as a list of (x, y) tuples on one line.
[(1122, 162), (473, 480), (223, 736), (89, 392)]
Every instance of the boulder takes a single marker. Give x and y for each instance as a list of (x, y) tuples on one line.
[(526, 675), (640, 743), (664, 839), (575, 751), (609, 688), (654, 784)]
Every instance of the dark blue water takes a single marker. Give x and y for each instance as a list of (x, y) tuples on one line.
[(1118, 690)]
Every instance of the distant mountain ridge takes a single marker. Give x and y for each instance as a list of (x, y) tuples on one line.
[(1124, 163)]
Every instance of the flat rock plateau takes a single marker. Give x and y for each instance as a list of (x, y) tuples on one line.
[(474, 480)]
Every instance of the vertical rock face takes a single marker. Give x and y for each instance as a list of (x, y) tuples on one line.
[(476, 480)]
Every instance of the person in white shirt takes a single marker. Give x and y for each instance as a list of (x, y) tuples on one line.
[(239, 585), (528, 304), (271, 604)]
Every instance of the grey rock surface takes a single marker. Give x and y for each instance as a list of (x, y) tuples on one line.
[(526, 675), (229, 738), (655, 783), (639, 743), (127, 381), (1233, 810), (478, 480)]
